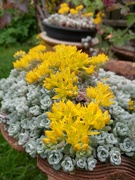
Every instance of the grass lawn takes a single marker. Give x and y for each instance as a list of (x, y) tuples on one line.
[(15, 165)]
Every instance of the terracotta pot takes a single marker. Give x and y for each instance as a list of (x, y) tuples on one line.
[(11, 141), (103, 171)]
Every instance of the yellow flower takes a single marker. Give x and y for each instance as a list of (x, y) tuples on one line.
[(77, 147), (75, 123), (97, 20), (19, 54), (80, 7), (85, 147), (99, 17), (131, 105), (28, 60), (64, 10), (73, 11), (99, 59), (63, 5), (100, 94), (90, 70), (89, 14)]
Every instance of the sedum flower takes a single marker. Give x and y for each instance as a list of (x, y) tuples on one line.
[(101, 94), (64, 8), (34, 54), (67, 118)]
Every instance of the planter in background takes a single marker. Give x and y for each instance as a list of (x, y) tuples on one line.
[(68, 34), (103, 171)]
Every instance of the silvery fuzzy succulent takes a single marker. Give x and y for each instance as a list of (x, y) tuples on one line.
[(54, 159), (131, 125), (68, 164), (103, 153), (115, 157), (81, 162), (14, 73), (14, 129), (13, 117), (23, 138), (46, 103), (30, 147), (128, 146), (40, 146), (35, 110), (119, 113), (33, 123), (35, 133), (121, 129), (44, 121), (25, 123), (111, 140), (22, 108), (33, 92), (91, 163), (101, 138)]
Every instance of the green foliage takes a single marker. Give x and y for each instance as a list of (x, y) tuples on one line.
[(6, 58), (90, 6), (119, 38), (22, 28)]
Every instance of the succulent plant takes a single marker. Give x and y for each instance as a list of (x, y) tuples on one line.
[(82, 128)]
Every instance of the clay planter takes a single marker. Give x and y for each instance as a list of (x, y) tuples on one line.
[(122, 68), (103, 171), (11, 141)]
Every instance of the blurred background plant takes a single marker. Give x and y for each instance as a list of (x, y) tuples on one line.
[(118, 26), (18, 21)]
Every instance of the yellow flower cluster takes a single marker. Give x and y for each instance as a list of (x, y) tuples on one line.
[(61, 71), (131, 105), (99, 18), (34, 55), (65, 9), (74, 123), (100, 94)]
